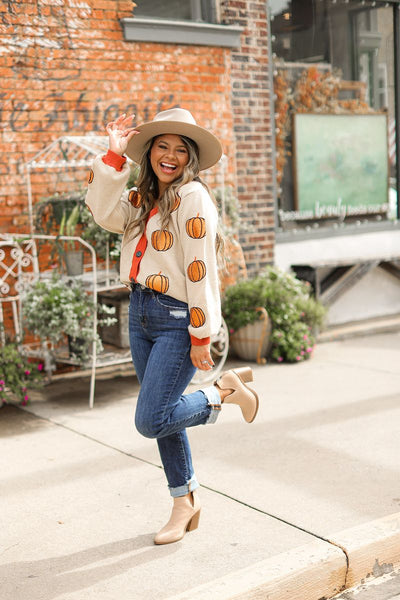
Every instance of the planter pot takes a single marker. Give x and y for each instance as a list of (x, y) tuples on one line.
[(252, 342), (74, 262)]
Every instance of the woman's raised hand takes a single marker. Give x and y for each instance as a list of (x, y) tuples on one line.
[(120, 133)]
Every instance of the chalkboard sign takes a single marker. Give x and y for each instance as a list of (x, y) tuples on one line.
[(340, 164)]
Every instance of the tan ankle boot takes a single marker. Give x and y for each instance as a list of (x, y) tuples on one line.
[(242, 395), (184, 517)]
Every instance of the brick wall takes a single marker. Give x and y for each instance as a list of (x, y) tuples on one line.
[(66, 69), (252, 129)]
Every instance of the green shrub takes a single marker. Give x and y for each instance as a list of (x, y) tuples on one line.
[(295, 315)]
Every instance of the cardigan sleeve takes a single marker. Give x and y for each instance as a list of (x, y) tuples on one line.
[(107, 198), (197, 220)]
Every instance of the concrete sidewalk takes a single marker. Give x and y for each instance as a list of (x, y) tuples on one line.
[(297, 505)]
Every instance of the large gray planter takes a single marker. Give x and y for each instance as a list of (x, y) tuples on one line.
[(252, 342)]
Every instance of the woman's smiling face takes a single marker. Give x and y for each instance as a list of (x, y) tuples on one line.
[(168, 157)]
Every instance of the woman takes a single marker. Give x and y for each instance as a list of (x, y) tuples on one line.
[(169, 260)]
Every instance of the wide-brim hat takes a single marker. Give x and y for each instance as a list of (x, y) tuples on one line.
[(178, 121)]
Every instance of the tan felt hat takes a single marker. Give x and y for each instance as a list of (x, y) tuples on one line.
[(180, 122)]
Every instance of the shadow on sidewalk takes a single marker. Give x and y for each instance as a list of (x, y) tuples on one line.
[(52, 577)]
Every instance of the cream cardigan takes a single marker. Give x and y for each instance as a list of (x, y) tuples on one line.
[(179, 261)]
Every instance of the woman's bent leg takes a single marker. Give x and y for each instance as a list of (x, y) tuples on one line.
[(164, 412), (160, 345)]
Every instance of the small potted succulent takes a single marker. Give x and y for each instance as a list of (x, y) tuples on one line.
[(69, 227)]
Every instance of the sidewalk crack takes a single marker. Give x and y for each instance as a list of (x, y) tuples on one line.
[(312, 533), (343, 549)]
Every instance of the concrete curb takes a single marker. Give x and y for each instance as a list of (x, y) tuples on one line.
[(314, 571), (372, 549)]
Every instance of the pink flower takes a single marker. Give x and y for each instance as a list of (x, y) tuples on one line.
[(40, 367), (305, 337), (2, 382), (279, 359), (231, 331), (27, 372), (309, 349), (302, 352), (298, 357)]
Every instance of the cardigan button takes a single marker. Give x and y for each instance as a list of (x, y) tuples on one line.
[(138, 253)]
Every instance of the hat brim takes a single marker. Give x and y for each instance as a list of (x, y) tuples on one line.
[(210, 149)]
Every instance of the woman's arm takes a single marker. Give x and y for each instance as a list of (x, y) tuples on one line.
[(108, 178), (198, 223)]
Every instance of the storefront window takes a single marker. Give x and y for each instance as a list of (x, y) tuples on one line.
[(334, 111), (179, 10)]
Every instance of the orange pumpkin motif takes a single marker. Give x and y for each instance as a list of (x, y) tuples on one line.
[(158, 283), (196, 227), (91, 176), (134, 198), (197, 317), (177, 203), (162, 240), (196, 270)]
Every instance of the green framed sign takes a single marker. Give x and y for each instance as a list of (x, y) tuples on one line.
[(341, 165)]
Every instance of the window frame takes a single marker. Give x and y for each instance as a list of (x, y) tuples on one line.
[(197, 31)]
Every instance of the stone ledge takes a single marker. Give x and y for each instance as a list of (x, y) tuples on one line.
[(181, 32)]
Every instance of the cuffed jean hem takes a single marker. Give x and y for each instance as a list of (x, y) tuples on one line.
[(214, 400), (182, 490)]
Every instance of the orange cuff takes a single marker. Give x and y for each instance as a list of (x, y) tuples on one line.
[(114, 160), (199, 341)]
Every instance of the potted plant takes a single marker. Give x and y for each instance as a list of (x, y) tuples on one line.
[(55, 308), (295, 316), (62, 215), (249, 325), (68, 227), (18, 374)]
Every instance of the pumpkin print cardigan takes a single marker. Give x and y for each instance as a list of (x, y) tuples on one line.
[(179, 261)]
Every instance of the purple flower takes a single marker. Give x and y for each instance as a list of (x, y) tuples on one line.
[(2, 382)]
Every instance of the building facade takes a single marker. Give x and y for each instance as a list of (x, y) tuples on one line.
[(71, 66), (304, 95)]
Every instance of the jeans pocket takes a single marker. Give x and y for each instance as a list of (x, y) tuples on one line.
[(170, 303)]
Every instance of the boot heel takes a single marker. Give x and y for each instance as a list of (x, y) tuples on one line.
[(194, 522), (245, 374)]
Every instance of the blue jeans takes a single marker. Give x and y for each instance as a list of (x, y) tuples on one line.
[(160, 347)]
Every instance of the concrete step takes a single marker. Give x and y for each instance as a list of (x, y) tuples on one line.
[(387, 324)]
